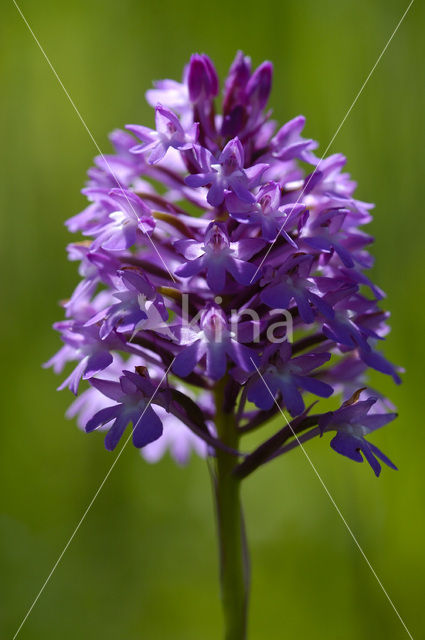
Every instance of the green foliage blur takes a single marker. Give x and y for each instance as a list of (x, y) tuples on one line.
[(143, 564)]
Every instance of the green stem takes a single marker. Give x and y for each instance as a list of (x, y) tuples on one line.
[(234, 566)]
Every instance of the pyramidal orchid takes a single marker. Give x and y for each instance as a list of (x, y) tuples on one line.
[(223, 270)]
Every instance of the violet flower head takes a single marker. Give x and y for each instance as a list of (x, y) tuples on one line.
[(218, 253)]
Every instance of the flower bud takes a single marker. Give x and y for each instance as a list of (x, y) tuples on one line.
[(202, 78), (234, 89), (259, 86)]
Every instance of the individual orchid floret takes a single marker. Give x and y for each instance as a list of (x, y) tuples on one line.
[(352, 422), (224, 174), (267, 212), (95, 267), (217, 255), (176, 438), (128, 223), (117, 170), (139, 307), (286, 376), (133, 395), (288, 143), (214, 340), (169, 134), (292, 281), (82, 344), (327, 235)]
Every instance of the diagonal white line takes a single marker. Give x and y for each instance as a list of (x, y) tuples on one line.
[(336, 132), (83, 517), (331, 498), (83, 122)]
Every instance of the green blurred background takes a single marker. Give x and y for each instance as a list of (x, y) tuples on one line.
[(143, 564)]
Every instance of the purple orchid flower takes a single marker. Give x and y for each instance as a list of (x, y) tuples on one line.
[(81, 344), (287, 375), (288, 143), (292, 282), (127, 224), (95, 267), (225, 174), (325, 238), (133, 393), (169, 133), (218, 255), (215, 340), (352, 422), (139, 307), (267, 212)]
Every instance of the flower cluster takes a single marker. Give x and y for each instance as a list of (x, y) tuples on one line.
[(204, 214)]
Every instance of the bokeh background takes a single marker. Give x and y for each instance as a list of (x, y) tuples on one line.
[(143, 564)]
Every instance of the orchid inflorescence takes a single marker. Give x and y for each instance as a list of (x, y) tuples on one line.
[(203, 215)]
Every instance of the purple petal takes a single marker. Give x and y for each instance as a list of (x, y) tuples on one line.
[(191, 268), (73, 380), (259, 85), (216, 274), (304, 308), (148, 428), (216, 360), (315, 386), (243, 272), (368, 454), (239, 187), (116, 431), (157, 153), (188, 358), (277, 296), (103, 417), (347, 446), (377, 420), (143, 133), (377, 452), (96, 363), (378, 362), (198, 180), (291, 397), (261, 394), (246, 358), (216, 193), (108, 388)]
